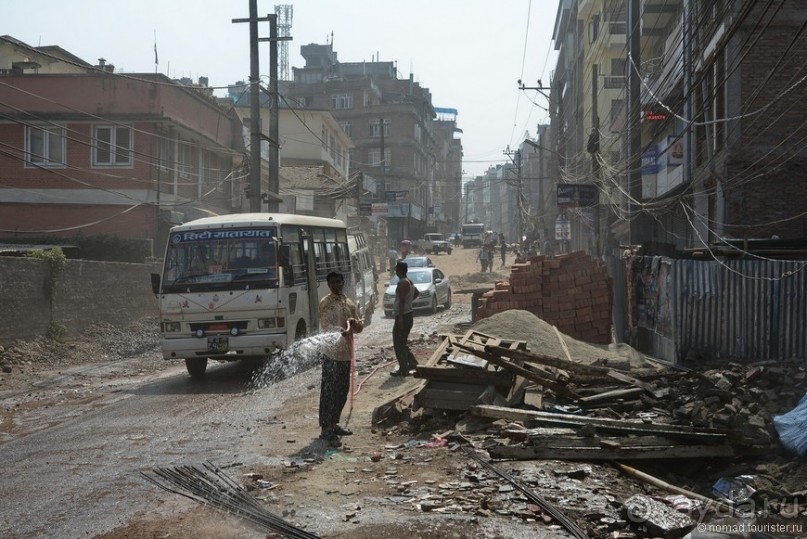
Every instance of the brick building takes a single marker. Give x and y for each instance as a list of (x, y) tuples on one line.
[(86, 151)]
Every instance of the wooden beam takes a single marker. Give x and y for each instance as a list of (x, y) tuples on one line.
[(602, 424), (519, 452)]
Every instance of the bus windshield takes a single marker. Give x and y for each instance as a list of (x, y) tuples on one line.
[(221, 259)]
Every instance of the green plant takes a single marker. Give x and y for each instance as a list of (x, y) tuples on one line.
[(57, 332), (56, 261)]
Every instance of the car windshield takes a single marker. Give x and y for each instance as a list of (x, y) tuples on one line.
[(420, 276), (417, 277), (417, 262)]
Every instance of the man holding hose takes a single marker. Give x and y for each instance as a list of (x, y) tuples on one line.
[(336, 313)]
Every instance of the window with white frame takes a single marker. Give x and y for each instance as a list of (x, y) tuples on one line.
[(185, 161), (342, 101), (332, 146), (374, 157), (45, 146), (112, 146), (375, 128), (347, 127)]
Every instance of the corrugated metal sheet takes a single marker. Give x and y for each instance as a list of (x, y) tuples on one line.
[(746, 309)]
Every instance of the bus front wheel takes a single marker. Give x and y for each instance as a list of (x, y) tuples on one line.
[(301, 331), (196, 366)]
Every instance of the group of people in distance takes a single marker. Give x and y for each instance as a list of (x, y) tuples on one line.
[(487, 254)]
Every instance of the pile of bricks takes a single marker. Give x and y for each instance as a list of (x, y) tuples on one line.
[(573, 292)]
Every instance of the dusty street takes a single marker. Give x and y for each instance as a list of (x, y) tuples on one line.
[(82, 422)]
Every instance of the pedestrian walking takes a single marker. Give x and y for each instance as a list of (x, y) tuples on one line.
[(482, 257), (405, 294), (336, 313), (503, 249), (392, 257)]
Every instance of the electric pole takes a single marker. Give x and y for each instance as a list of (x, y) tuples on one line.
[(517, 163), (254, 191), (634, 122)]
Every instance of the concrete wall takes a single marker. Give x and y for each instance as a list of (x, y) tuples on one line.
[(86, 292)]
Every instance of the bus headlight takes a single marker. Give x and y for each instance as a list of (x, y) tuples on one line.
[(271, 323), (170, 327), (266, 323)]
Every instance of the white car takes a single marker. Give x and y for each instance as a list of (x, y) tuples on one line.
[(418, 262), (433, 285)]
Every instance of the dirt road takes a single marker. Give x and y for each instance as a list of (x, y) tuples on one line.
[(80, 423)]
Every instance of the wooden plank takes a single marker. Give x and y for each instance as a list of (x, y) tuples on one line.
[(467, 360), (500, 379), (528, 374), (563, 344), (621, 425), (517, 452), (611, 395), (517, 390), (534, 396), (449, 398), (532, 357), (611, 442)]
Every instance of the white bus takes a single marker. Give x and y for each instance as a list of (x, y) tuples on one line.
[(363, 289), (245, 286)]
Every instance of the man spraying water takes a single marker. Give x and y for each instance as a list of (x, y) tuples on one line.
[(336, 313)]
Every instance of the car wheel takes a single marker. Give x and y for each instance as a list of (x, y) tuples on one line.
[(448, 300), (196, 366), (434, 304)]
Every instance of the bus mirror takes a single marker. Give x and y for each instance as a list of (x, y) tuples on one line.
[(155, 283), (284, 261)]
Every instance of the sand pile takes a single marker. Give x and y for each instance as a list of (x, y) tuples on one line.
[(542, 338)]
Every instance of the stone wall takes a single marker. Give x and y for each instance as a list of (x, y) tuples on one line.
[(573, 292), (86, 292)]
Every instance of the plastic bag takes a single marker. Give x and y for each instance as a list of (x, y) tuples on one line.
[(792, 428)]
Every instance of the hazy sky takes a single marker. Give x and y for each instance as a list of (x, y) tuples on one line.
[(468, 53)]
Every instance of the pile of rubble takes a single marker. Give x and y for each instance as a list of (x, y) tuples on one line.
[(548, 396)]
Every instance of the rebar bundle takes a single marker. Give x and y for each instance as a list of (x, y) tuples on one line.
[(210, 486)]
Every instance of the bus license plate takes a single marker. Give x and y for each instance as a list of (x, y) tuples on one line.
[(218, 345)]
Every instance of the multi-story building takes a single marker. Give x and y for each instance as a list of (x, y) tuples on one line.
[(719, 113), (87, 151), (390, 122), (314, 155), (446, 195)]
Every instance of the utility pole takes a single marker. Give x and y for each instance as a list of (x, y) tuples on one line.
[(274, 121), (634, 122), (517, 162), (254, 191), (254, 186)]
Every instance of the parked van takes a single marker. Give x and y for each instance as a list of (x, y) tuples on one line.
[(362, 287)]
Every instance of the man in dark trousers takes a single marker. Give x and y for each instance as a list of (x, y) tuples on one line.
[(405, 294), (336, 313)]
